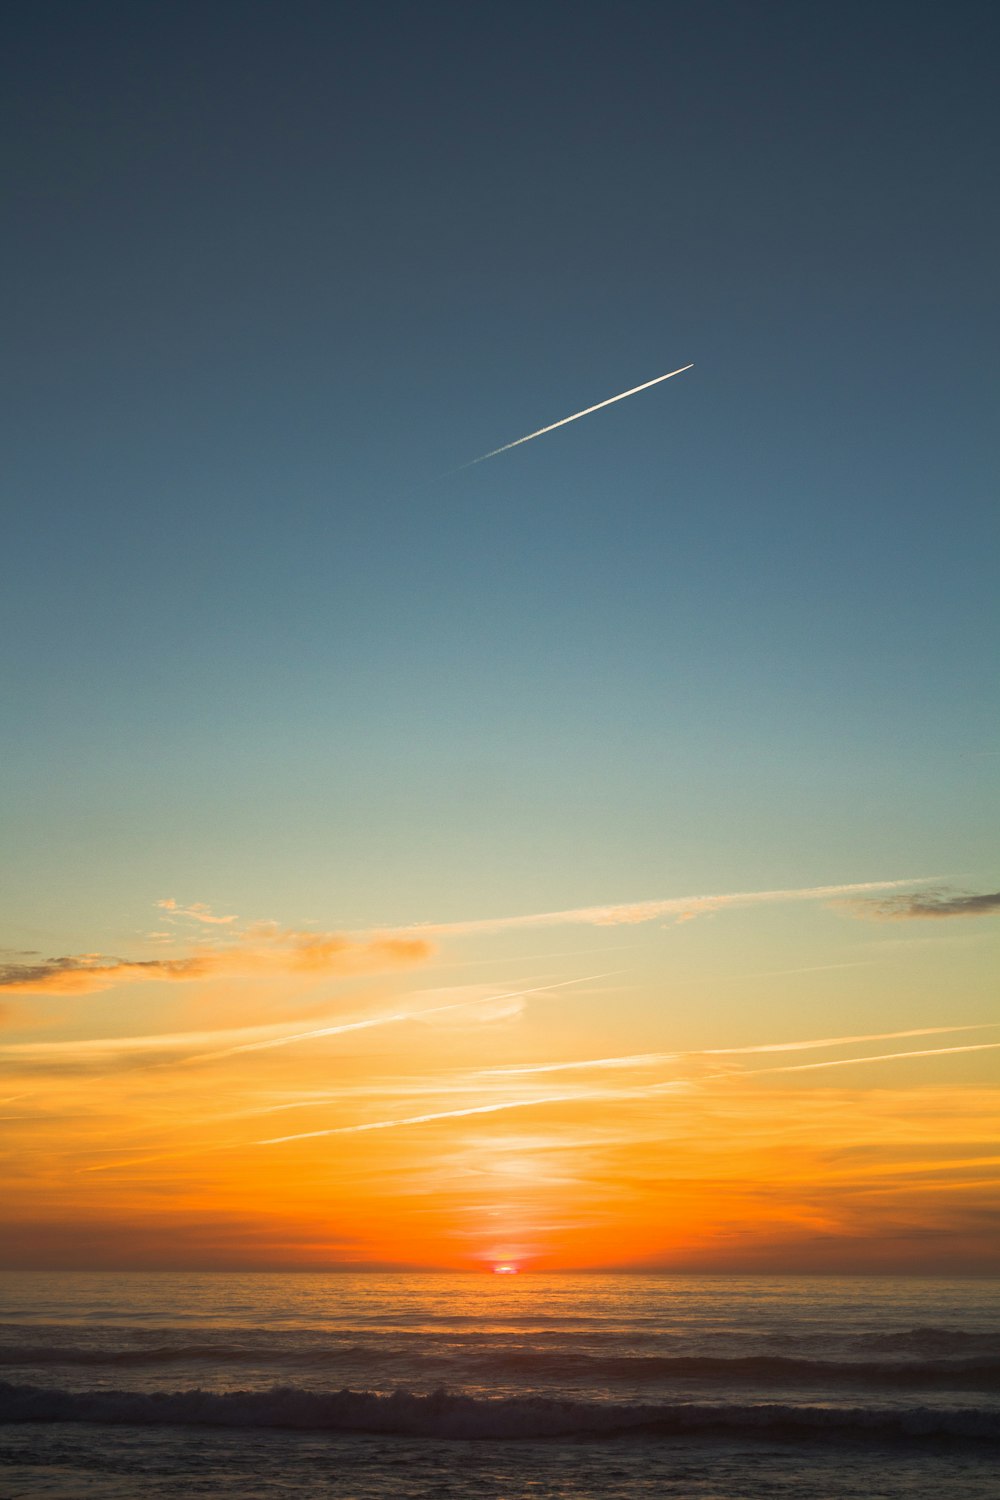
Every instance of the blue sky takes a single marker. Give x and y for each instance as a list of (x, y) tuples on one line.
[(274, 270)]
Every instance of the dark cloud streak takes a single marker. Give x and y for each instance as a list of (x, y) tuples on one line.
[(260, 951), (936, 904), (90, 971)]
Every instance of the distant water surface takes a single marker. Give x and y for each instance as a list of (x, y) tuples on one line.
[(375, 1386)]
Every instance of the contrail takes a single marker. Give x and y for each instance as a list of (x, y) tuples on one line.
[(643, 1092), (444, 1114), (574, 418), (630, 913), (127, 1045), (847, 1062), (655, 1059), (389, 1019)]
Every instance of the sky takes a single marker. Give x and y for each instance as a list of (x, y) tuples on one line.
[(562, 859)]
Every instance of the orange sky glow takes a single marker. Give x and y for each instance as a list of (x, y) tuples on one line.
[(707, 1096)]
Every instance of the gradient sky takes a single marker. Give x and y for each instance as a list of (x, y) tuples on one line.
[(294, 724)]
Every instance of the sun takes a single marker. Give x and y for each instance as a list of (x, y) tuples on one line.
[(505, 1268)]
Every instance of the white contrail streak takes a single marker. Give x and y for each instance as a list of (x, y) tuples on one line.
[(391, 1018), (658, 1059), (113, 1047), (444, 1114), (611, 1094), (631, 913), (643, 1091), (849, 1062), (574, 418)]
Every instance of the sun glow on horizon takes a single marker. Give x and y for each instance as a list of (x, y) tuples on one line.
[(508, 1120)]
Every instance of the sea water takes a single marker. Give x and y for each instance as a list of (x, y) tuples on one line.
[(581, 1387)]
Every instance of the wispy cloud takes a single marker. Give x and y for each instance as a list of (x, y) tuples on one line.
[(409, 1013), (591, 1095), (466, 1081), (846, 1041), (937, 903), (645, 1060), (679, 907), (626, 1061), (265, 948), (848, 1062), (588, 1093), (216, 1045), (443, 1114), (260, 951), (197, 912)]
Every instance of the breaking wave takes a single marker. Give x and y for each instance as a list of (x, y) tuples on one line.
[(443, 1415)]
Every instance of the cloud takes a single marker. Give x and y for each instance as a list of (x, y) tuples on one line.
[(267, 949), (585, 1093), (937, 903), (262, 951), (682, 908), (198, 912), (391, 1018), (100, 1053), (659, 1059), (847, 1062), (442, 1114)]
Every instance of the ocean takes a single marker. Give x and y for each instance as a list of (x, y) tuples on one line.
[(497, 1387)]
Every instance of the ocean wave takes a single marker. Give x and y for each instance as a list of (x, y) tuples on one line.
[(446, 1415), (71, 1354), (973, 1373), (762, 1369), (927, 1342)]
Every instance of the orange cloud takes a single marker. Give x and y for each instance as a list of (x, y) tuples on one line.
[(197, 911), (261, 951)]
